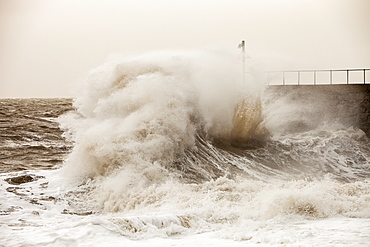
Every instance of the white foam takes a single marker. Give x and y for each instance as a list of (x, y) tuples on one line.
[(220, 212)]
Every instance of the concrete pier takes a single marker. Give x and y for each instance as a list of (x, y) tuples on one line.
[(346, 104)]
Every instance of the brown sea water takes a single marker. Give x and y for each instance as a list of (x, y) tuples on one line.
[(30, 137)]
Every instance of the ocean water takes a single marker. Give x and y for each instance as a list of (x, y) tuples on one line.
[(175, 150)]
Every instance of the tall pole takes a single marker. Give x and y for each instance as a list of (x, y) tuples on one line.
[(242, 46)]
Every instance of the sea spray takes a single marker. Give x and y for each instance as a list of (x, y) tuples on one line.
[(176, 144), (301, 187), (136, 118), (147, 126), (151, 108)]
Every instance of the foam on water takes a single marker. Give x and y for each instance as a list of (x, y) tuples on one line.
[(254, 212)]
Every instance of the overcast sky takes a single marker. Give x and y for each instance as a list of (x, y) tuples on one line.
[(48, 45)]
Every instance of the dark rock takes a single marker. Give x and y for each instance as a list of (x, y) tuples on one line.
[(20, 179)]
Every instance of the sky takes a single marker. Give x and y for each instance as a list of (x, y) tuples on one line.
[(47, 46)]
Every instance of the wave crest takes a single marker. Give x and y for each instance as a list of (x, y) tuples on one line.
[(148, 110)]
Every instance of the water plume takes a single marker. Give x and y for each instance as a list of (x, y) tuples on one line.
[(148, 127), (143, 113)]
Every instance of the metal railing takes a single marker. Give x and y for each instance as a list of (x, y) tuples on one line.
[(319, 77)]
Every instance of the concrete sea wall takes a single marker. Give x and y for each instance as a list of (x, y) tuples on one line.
[(345, 104)]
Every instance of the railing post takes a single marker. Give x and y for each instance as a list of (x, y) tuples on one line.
[(347, 76), (364, 76), (314, 77), (299, 77), (331, 77), (283, 77)]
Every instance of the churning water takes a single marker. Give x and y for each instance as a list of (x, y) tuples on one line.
[(167, 149)]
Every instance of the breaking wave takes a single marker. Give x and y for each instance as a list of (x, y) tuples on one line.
[(182, 134)]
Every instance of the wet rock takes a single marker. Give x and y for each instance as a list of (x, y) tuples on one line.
[(21, 179)]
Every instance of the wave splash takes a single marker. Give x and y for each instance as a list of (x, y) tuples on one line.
[(147, 111), (183, 135)]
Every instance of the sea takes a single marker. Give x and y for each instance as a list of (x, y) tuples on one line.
[(167, 149)]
